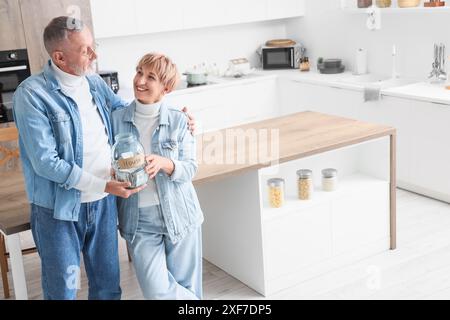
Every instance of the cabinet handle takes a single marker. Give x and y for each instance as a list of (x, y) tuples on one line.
[(9, 69)]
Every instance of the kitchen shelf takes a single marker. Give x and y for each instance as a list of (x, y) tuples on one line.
[(433, 10), (349, 185)]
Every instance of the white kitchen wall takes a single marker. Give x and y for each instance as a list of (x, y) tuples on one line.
[(329, 32), (188, 47)]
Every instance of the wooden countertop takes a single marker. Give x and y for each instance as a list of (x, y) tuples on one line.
[(301, 135)]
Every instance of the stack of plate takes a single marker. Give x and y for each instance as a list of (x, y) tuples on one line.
[(330, 66)]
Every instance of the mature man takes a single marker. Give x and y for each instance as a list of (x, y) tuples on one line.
[(63, 117)]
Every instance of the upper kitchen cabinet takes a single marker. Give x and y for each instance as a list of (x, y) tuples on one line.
[(11, 35), (207, 13), (114, 18), (279, 9), (36, 14), (203, 13), (158, 16)]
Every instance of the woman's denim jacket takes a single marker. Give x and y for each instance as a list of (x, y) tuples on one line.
[(178, 199)]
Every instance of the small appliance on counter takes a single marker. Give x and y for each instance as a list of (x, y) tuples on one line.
[(196, 76), (360, 61), (238, 68), (330, 66), (111, 78), (281, 54)]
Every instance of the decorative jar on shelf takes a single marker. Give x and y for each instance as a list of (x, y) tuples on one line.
[(276, 192), (364, 3), (408, 3), (305, 184), (329, 180), (128, 160), (384, 3)]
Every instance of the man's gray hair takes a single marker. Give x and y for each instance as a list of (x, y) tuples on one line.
[(58, 30)]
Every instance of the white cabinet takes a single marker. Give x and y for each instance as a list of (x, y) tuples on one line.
[(203, 13), (228, 106), (238, 11), (277, 9), (422, 138), (361, 208), (114, 18), (308, 230), (297, 96), (158, 16), (430, 154), (272, 249), (394, 112)]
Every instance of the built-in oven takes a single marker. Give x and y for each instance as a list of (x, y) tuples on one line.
[(14, 68)]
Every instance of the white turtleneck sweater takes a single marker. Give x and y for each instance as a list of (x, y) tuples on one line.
[(146, 119), (96, 149)]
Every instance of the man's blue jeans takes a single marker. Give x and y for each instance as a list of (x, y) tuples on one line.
[(60, 243)]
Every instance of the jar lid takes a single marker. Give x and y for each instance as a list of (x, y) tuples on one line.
[(304, 173), (329, 173), (275, 182), (125, 136)]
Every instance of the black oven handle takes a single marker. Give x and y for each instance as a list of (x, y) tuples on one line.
[(10, 69)]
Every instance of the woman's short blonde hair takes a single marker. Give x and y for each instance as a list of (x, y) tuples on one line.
[(163, 67)]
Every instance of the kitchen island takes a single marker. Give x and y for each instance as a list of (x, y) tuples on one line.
[(270, 249)]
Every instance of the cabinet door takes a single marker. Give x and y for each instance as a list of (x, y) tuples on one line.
[(394, 112), (238, 11), (430, 152), (156, 16), (11, 34), (292, 96), (36, 15), (206, 106), (204, 13), (298, 96), (278, 9), (250, 102), (113, 18), (297, 240), (360, 218), (224, 107)]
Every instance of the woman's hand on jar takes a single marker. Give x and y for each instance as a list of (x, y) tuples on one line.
[(157, 163)]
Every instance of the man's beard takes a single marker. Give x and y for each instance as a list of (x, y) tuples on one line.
[(82, 73)]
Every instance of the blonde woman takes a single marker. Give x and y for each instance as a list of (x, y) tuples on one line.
[(162, 223)]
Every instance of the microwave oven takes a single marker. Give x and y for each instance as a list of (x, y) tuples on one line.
[(281, 57)]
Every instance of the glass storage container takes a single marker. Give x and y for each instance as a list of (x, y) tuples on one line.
[(276, 192), (305, 184), (329, 179), (364, 3), (128, 160)]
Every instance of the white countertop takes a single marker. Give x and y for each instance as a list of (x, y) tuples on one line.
[(422, 91), (402, 87)]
